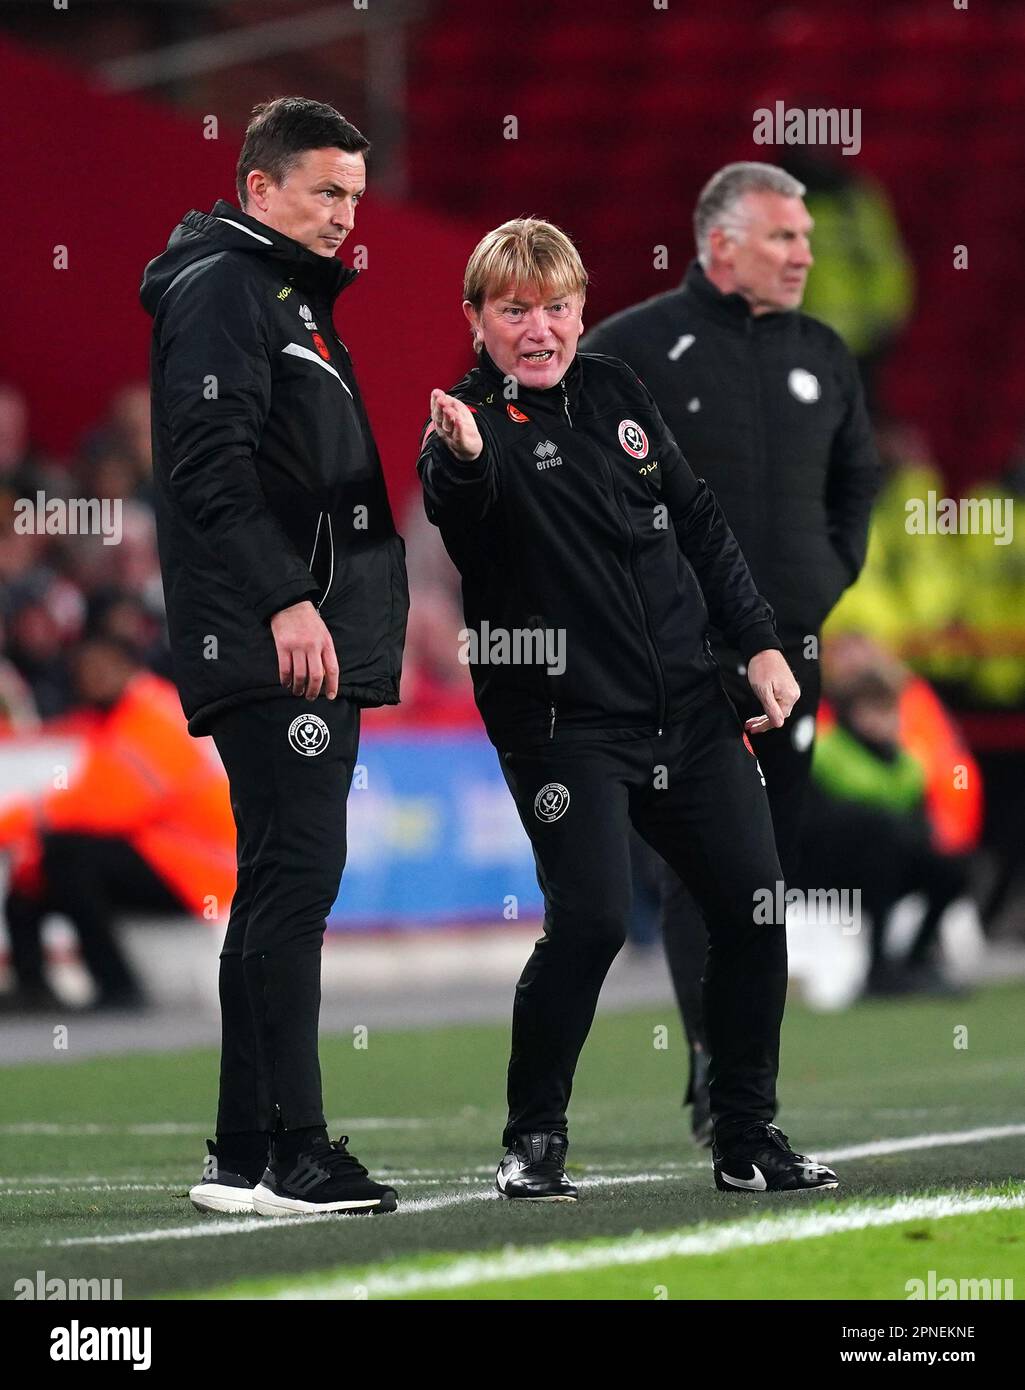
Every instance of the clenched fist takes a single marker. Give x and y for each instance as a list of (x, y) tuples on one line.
[(455, 423), (773, 682)]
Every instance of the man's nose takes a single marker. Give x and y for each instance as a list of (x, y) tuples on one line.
[(344, 217), (537, 323), (802, 256)]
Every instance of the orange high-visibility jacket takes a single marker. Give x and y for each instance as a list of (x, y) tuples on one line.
[(143, 778), (954, 801)]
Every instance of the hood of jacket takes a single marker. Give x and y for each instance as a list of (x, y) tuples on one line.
[(226, 228)]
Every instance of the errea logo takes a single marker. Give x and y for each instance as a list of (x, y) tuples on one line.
[(545, 454), (306, 314)]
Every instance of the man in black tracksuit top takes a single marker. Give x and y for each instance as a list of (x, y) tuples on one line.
[(286, 605), (583, 536), (767, 406)]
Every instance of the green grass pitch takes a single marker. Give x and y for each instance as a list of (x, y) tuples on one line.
[(98, 1156)]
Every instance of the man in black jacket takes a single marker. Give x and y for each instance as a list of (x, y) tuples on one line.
[(286, 605), (592, 560), (767, 406)]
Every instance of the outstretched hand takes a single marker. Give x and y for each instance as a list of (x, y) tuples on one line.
[(455, 423)]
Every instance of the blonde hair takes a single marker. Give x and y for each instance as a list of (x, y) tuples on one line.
[(525, 251)]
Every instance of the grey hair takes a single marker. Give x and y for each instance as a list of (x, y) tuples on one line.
[(717, 202)]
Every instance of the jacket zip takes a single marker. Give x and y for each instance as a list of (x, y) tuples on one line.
[(331, 571), (638, 593), (759, 428)]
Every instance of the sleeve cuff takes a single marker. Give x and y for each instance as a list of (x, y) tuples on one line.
[(285, 597), (759, 637)]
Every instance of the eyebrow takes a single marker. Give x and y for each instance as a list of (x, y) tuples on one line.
[(356, 192), (522, 304)]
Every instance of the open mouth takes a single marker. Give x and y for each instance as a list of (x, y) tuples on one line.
[(545, 355)]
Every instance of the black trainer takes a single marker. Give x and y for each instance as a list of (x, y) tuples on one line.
[(534, 1169), (326, 1177), (219, 1189), (760, 1159)]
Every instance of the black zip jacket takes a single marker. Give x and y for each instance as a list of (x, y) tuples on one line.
[(582, 515), (770, 411), (268, 484)]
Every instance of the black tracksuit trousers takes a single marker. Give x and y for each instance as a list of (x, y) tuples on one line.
[(784, 756), (694, 794), (289, 784)]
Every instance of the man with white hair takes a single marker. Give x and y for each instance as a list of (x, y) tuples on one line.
[(767, 407)]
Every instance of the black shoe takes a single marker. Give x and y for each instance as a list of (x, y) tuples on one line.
[(324, 1178), (221, 1190), (534, 1169), (760, 1159), (699, 1100)]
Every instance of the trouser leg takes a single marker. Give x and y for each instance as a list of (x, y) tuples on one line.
[(784, 756), (709, 819), (572, 801), (289, 785), (24, 913)]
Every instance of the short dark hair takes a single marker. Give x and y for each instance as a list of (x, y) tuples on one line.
[(283, 129)]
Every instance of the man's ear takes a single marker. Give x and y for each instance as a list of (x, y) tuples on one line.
[(256, 188), (473, 319)]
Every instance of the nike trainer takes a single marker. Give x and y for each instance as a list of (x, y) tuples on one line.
[(326, 1177), (534, 1169), (220, 1189), (760, 1159)]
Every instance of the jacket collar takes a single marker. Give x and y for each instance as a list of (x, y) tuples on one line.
[(726, 308), (530, 397), (320, 275)]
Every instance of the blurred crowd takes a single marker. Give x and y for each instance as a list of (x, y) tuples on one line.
[(54, 589), (932, 628), (949, 606)]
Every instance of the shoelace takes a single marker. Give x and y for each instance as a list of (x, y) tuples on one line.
[(776, 1136), (335, 1156), (770, 1132), (553, 1163)]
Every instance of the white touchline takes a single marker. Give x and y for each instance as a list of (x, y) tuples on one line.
[(439, 1203), (411, 1207), (162, 1127), (530, 1263), (922, 1141), (87, 1187)]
